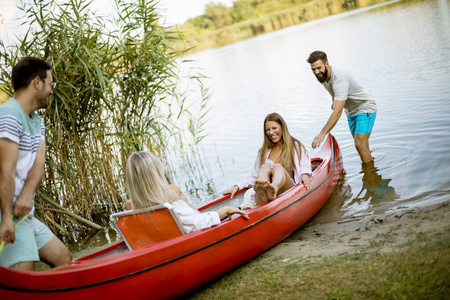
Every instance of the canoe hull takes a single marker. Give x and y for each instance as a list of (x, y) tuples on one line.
[(173, 268)]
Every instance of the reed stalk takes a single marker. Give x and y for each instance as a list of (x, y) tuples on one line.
[(117, 93)]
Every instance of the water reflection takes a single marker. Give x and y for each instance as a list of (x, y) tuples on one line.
[(191, 171), (375, 188), (87, 242), (384, 47), (332, 211)]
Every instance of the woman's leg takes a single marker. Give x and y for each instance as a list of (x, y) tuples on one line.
[(281, 180), (278, 182), (264, 176)]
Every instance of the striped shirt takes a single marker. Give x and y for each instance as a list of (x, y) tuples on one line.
[(27, 132)]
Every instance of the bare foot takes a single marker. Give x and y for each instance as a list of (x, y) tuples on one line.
[(270, 190), (261, 193)]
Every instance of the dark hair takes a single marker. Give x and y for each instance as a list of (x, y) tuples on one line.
[(26, 70), (316, 55)]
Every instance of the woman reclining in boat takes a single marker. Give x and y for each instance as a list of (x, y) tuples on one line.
[(148, 186), (281, 163)]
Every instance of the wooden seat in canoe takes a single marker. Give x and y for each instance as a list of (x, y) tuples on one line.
[(147, 226)]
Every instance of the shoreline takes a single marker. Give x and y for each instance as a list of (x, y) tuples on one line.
[(399, 254), (364, 233), (271, 22)]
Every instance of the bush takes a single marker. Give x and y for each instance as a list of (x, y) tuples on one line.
[(116, 93)]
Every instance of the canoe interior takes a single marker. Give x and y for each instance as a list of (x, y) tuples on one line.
[(120, 247), (238, 198)]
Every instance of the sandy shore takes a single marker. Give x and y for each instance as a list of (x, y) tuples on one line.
[(366, 233)]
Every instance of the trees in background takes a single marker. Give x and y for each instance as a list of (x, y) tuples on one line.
[(250, 18), (217, 15)]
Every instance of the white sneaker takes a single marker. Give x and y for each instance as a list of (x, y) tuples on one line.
[(249, 200)]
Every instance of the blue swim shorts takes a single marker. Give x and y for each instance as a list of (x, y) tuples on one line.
[(31, 235), (361, 123)]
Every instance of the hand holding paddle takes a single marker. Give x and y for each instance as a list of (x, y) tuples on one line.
[(7, 231)]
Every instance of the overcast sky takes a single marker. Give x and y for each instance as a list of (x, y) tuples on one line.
[(174, 12)]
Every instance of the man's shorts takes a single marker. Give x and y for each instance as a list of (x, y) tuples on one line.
[(361, 123), (31, 235)]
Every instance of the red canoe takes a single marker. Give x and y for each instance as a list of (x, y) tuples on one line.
[(174, 267)]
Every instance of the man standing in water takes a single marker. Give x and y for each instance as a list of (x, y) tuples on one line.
[(346, 94), (22, 160)]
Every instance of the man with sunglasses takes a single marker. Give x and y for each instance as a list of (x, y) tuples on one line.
[(347, 94), (22, 160)]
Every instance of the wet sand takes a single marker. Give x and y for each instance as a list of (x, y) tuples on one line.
[(365, 233)]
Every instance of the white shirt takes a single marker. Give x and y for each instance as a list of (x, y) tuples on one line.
[(302, 166), (193, 220)]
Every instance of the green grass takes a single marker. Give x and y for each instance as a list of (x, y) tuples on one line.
[(417, 270)]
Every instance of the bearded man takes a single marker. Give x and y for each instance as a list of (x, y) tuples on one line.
[(347, 94)]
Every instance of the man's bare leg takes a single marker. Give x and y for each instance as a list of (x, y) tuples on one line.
[(55, 253), (362, 146), (23, 266)]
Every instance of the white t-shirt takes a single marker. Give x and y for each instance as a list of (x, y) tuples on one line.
[(343, 86), (193, 220), (27, 132)]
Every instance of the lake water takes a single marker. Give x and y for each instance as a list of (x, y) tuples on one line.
[(399, 51)]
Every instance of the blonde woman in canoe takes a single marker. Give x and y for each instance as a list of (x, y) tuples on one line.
[(148, 186), (282, 162)]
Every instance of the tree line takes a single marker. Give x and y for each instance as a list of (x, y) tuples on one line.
[(217, 15), (221, 25)]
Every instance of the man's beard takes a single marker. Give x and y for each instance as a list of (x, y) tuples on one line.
[(43, 102), (324, 76)]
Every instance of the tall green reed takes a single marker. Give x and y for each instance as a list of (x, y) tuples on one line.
[(117, 93)]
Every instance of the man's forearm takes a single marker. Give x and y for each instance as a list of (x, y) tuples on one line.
[(332, 120), (7, 186), (35, 175), (8, 162), (7, 189), (32, 183)]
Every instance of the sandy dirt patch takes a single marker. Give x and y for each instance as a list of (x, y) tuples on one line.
[(367, 233)]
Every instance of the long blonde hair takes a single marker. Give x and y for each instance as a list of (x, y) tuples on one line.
[(287, 158), (146, 181)]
